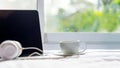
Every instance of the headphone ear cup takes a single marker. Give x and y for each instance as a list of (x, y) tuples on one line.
[(10, 49), (19, 46)]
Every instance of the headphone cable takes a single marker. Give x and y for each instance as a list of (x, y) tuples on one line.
[(34, 52)]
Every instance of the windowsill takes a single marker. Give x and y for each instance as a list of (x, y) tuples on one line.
[(105, 46)]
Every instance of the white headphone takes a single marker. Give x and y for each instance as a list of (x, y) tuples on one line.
[(11, 49)]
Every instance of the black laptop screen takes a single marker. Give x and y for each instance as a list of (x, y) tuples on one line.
[(22, 26)]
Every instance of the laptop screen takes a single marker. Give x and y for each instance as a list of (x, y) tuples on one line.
[(22, 26)]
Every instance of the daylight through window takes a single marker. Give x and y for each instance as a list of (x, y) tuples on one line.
[(82, 15)]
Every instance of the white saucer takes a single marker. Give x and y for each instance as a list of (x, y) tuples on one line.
[(62, 54)]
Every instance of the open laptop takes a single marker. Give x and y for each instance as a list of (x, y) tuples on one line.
[(22, 26)]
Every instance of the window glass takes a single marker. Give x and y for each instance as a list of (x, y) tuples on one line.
[(82, 15), (18, 4)]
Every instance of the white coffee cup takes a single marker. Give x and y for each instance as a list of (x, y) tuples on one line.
[(71, 47)]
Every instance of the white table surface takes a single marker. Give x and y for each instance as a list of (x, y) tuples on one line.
[(91, 59)]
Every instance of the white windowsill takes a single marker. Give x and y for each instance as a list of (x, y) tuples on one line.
[(106, 46), (93, 40)]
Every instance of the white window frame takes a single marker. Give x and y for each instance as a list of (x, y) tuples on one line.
[(40, 8), (88, 37)]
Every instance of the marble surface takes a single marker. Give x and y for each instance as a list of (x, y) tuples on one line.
[(55, 59)]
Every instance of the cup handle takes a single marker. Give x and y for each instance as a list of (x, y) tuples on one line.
[(83, 44)]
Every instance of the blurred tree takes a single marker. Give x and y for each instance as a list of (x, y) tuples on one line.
[(91, 20), (117, 2), (106, 2)]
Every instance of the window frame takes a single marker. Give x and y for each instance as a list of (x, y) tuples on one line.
[(40, 8), (90, 37)]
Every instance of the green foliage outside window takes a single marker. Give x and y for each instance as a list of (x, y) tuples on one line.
[(90, 20)]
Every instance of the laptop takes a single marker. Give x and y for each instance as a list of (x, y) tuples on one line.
[(22, 26)]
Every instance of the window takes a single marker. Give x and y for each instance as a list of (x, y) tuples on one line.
[(82, 16), (86, 20), (100, 18), (52, 12), (18, 4)]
